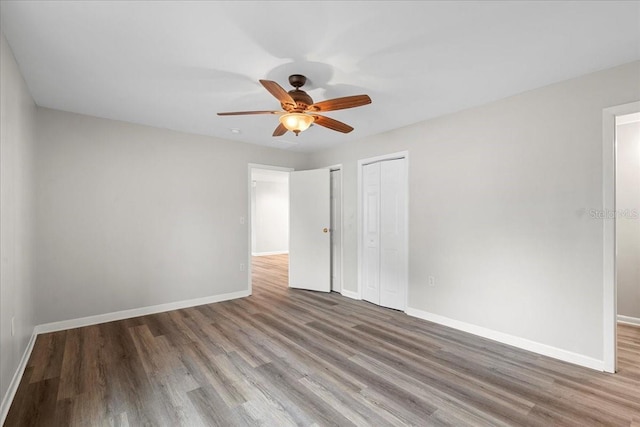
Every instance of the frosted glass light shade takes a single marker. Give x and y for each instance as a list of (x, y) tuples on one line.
[(296, 122)]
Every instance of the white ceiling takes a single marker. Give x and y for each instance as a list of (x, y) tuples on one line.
[(175, 64)]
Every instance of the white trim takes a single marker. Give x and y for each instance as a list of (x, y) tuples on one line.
[(269, 253), (135, 312), (406, 228), (15, 381), (251, 166), (350, 294), (512, 340), (376, 159), (359, 226), (609, 230), (628, 320), (627, 119), (361, 164), (335, 168)]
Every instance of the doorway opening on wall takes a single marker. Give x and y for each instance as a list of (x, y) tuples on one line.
[(383, 232), (291, 236), (621, 232), (268, 224)]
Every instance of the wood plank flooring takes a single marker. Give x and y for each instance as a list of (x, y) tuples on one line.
[(288, 357)]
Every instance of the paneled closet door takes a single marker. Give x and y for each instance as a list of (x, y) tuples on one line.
[(393, 245), (371, 233)]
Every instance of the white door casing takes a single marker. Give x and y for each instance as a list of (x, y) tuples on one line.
[(309, 238), (609, 309), (336, 230)]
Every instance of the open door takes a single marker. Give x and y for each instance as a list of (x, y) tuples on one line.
[(309, 238)]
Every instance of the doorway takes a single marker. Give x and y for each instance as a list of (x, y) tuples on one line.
[(383, 230), (613, 263), (268, 218), (272, 227)]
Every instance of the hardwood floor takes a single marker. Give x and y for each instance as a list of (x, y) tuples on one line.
[(289, 357)]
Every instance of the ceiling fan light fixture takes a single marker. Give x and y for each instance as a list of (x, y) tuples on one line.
[(296, 122), (300, 111)]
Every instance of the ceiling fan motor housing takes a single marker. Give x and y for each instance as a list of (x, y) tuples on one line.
[(297, 80), (302, 99)]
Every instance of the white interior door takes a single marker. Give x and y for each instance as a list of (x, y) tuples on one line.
[(393, 247), (371, 233), (336, 230), (309, 238)]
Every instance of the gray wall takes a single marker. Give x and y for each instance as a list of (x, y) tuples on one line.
[(271, 219), (17, 122), (130, 216), (498, 210), (628, 221)]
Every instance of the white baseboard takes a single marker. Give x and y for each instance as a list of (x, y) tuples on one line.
[(136, 312), (628, 320), (350, 294), (512, 340), (269, 253), (15, 381)]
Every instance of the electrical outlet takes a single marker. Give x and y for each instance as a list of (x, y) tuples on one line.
[(241, 266), (242, 220), (13, 326), (432, 281)]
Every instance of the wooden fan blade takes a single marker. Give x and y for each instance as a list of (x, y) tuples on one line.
[(340, 103), (276, 90), (241, 113), (332, 124), (280, 130)]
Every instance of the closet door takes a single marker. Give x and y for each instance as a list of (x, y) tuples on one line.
[(371, 233), (392, 240)]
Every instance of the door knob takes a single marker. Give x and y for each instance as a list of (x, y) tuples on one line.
[(325, 230)]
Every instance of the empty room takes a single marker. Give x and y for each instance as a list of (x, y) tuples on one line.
[(295, 213)]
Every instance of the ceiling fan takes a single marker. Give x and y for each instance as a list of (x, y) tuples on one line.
[(300, 110)]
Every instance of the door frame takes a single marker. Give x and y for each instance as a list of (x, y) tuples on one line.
[(331, 169), (610, 306), (250, 168), (360, 220)]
